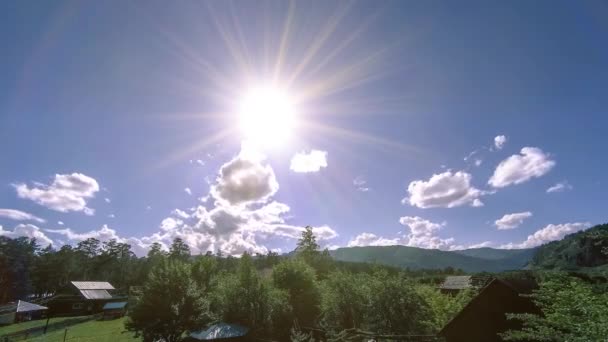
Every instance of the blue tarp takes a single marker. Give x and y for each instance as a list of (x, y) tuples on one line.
[(220, 330), (114, 305)]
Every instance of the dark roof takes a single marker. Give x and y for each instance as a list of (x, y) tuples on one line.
[(114, 305), (220, 331), (488, 309)]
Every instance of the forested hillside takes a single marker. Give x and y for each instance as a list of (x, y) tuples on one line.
[(588, 248), (471, 260)]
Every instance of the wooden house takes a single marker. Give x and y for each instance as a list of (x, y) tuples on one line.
[(21, 311), (484, 317), (81, 298), (114, 310)]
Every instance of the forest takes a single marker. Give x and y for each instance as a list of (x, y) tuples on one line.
[(302, 296)]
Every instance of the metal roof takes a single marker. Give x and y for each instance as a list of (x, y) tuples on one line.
[(93, 285), (219, 331), (456, 283), (26, 306), (114, 305), (21, 306), (96, 294)]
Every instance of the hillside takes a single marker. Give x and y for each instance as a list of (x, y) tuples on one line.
[(584, 249), (471, 260)]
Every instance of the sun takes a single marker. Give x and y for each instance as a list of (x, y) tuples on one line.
[(267, 116)]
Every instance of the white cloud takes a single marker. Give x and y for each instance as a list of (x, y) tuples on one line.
[(519, 168), (478, 162), (360, 184), (500, 141), (103, 234), (68, 192), (560, 187), (111, 216), (107, 200), (370, 239), (60, 223), (511, 221), (481, 244), (445, 190), (188, 191), (19, 215), (549, 233), (29, 231), (313, 161), (244, 180), (423, 233)]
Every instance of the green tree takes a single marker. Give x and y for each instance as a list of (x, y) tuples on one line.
[(179, 250), (298, 279), (307, 247), (572, 310), (394, 306), (247, 299), (344, 300), (170, 304), (442, 308), (204, 269)]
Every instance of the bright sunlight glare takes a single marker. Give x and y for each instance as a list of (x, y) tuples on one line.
[(267, 116)]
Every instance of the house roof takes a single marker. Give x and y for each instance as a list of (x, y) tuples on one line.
[(95, 294), (114, 305), (21, 306), (93, 285), (220, 331), (456, 283)]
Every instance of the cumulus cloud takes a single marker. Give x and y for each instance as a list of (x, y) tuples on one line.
[(370, 239), (481, 244), (423, 233), (500, 141), (188, 191), (68, 192), (549, 233), (532, 162), (444, 190), (313, 161), (19, 215), (29, 231), (103, 234), (107, 200), (560, 187), (511, 221), (244, 180)]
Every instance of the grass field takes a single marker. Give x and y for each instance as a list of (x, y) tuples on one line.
[(90, 331)]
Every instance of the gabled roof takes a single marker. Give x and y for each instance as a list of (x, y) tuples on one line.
[(93, 285), (23, 306), (114, 305), (220, 331), (95, 294)]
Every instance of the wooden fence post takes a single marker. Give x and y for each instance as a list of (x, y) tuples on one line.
[(65, 334)]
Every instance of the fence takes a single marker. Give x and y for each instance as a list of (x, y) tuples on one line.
[(41, 330)]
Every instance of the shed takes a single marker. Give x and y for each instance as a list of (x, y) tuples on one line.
[(21, 311), (220, 332), (485, 315), (114, 310)]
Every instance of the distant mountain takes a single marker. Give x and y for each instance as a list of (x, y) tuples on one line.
[(584, 249), (469, 260)]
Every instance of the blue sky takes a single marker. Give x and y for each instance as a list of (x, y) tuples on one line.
[(429, 124)]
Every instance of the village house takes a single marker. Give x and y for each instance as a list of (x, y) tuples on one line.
[(484, 317), (81, 298)]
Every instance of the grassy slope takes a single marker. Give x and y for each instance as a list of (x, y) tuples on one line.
[(91, 331)]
